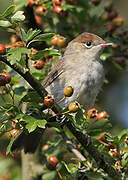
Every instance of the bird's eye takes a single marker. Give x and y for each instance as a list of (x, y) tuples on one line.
[(88, 44)]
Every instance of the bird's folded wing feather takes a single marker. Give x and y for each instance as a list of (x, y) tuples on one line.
[(54, 73)]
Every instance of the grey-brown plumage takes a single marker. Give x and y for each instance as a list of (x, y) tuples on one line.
[(81, 68)]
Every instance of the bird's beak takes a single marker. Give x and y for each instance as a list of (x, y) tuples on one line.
[(105, 44)]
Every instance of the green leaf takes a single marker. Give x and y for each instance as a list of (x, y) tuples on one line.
[(42, 37), (71, 168), (15, 54), (29, 35), (42, 53), (10, 10), (33, 123), (98, 124), (41, 123), (18, 17), (32, 97), (10, 145), (5, 23)]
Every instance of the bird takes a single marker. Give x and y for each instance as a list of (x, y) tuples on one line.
[(79, 67)]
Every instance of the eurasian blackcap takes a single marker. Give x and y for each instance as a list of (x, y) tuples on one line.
[(81, 68)]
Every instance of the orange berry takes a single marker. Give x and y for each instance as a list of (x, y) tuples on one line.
[(92, 112), (2, 49), (74, 106), (41, 10), (54, 40), (49, 100), (58, 9), (68, 91), (52, 162), (38, 19), (38, 64), (61, 41), (118, 21), (102, 115)]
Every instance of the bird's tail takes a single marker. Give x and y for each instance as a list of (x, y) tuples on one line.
[(27, 141)]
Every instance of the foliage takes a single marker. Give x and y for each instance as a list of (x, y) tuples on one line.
[(29, 44)]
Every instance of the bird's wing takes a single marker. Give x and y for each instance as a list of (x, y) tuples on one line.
[(54, 73)]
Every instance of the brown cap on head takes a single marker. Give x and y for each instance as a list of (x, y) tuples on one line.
[(85, 37)]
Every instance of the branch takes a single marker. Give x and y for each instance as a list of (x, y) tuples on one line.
[(84, 139)]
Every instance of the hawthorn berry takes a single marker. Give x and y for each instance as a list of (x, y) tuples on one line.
[(2, 80), (113, 153), (14, 132), (52, 162), (41, 10), (102, 115), (112, 14), (38, 19), (57, 2), (5, 78), (32, 3), (68, 91), (49, 100), (92, 112), (58, 9), (2, 49), (61, 41), (118, 21), (54, 40), (38, 64), (74, 106)]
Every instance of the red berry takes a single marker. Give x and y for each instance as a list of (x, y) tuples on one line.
[(111, 15), (2, 80), (61, 41), (41, 10), (32, 3), (2, 49), (5, 78), (57, 2), (14, 132), (58, 9), (102, 115), (96, 2), (54, 40), (38, 19), (52, 162), (38, 64), (68, 91), (74, 106), (92, 112), (49, 100)]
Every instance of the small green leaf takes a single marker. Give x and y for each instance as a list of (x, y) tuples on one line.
[(9, 146), (18, 17), (16, 54), (10, 10), (40, 54), (42, 37), (28, 36), (32, 123), (41, 123), (71, 168), (98, 124), (5, 23)]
